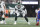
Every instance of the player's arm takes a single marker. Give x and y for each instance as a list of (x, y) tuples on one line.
[(16, 8), (36, 13), (4, 7), (22, 8), (25, 11)]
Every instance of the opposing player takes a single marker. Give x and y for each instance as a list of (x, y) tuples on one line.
[(36, 11), (37, 16), (20, 9), (3, 10)]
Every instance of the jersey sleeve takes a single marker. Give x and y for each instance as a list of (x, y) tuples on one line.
[(22, 7), (16, 7), (36, 11)]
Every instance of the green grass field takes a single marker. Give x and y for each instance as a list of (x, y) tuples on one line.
[(20, 22)]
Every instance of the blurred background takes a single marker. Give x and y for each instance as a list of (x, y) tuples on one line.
[(30, 5)]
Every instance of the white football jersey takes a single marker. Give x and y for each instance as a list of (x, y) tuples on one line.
[(36, 11), (21, 7), (2, 5)]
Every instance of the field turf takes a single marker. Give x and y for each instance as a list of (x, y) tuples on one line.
[(20, 22)]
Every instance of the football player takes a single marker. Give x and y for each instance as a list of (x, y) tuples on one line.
[(3, 10), (37, 16), (20, 9)]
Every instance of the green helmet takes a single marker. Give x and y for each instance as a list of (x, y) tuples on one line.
[(19, 3)]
